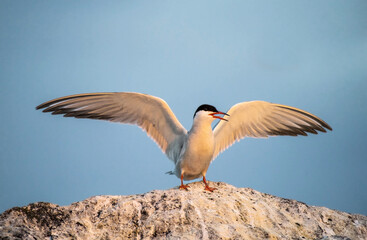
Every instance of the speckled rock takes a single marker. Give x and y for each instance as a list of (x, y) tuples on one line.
[(227, 213)]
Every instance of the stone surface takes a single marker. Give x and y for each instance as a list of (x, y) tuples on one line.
[(227, 213)]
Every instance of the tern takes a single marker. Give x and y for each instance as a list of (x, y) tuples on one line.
[(191, 151)]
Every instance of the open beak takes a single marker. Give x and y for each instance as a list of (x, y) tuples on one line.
[(222, 113)]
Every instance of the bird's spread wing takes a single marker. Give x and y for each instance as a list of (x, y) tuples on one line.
[(150, 113), (263, 119)]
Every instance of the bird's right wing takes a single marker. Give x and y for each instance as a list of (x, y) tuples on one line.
[(263, 119), (150, 113)]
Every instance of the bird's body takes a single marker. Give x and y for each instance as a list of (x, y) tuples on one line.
[(191, 151), (198, 150)]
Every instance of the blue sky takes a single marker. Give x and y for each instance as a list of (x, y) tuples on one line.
[(307, 54)]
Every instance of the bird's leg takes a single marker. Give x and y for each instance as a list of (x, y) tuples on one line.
[(182, 185), (210, 189)]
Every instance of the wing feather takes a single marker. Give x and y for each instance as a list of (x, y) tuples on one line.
[(150, 113), (263, 119)]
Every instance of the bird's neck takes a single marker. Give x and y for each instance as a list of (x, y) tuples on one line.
[(202, 125)]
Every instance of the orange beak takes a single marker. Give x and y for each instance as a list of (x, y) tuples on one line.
[(213, 115)]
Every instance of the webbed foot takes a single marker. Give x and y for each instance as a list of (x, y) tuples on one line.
[(183, 186), (210, 189)]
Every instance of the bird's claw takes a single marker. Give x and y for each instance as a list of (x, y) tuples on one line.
[(184, 187), (210, 189)]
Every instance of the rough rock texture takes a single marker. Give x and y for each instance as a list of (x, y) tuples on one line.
[(227, 213)]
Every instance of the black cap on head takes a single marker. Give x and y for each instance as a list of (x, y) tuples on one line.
[(206, 107)]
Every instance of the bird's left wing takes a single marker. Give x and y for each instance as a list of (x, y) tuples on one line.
[(263, 119), (150, 113)]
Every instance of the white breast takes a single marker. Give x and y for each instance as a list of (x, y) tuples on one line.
[(199, 149)]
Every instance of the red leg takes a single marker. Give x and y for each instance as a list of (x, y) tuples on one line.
[(182, 185), (207, 186)]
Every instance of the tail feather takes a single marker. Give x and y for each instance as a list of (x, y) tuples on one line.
[(170, 173)]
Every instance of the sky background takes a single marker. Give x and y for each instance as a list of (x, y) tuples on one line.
[(307, 54)]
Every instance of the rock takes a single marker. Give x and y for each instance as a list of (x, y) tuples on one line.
[(227, 213)]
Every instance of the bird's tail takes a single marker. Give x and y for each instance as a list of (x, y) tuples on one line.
[(170, 173)]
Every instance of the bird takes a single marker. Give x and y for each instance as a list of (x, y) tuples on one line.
[(191, 151)]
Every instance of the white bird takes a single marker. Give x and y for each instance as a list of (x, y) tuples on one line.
[(191, 151)]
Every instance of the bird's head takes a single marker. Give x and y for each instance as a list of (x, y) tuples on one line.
[(206, 110)]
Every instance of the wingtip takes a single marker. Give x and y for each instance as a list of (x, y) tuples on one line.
[(42, 105), (326, 126)]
